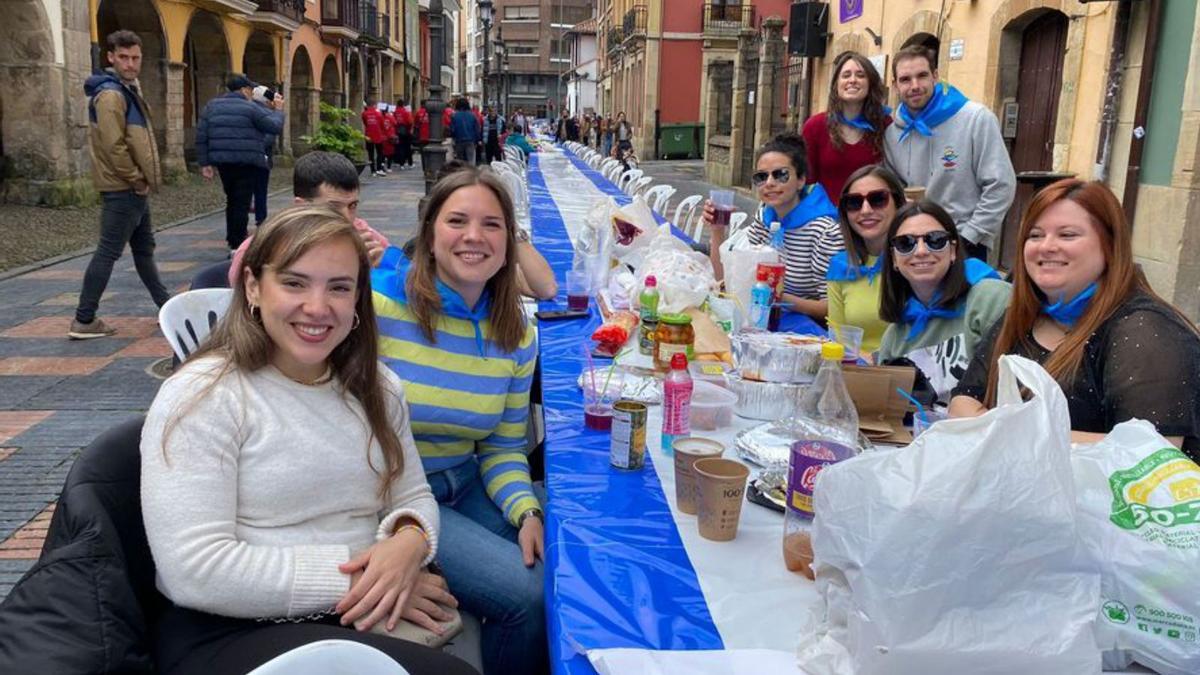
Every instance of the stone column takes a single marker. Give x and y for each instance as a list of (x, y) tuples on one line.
[(737, 132), (173, 160), (716, 152), (286, 77), (770, 57)]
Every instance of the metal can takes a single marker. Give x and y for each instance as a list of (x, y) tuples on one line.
[(628, 445), (646, 337)]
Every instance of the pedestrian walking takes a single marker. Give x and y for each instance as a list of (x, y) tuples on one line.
[(125, 170), (232, 137), (389, 136), (465, 130), (607, 126), (952, 147), (263, 96), (493, 128), (372, 120)]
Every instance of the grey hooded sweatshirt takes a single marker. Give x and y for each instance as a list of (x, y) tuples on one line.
[(964, 167)]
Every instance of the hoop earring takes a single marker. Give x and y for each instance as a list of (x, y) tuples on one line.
[(354, 326), (254, 312)]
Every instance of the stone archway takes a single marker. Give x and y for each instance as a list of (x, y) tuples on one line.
[(206, 55), (259, 60), (27, 79), (300, 103), (331, 82), (141, 17), (924, 27)]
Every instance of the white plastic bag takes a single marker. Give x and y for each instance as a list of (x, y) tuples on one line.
[(685, 277), (1139, 514), (593, 245), (959, 553), (741, 265), (634, 229)]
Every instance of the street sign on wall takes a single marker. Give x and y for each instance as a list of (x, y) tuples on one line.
[(848, 10)]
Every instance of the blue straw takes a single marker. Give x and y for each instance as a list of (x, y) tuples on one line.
[(920, 408)]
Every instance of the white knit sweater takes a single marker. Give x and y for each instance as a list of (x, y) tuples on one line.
[(264, 488)]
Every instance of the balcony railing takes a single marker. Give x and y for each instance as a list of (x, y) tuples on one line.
[(634, 23), (615, 36), (727, 20), (342, 14), (385, 28), (292, 9)]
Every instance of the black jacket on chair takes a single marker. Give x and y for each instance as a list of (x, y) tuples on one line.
[(85, 605)]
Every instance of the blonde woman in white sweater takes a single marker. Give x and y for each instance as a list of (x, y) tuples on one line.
[(282, 493)]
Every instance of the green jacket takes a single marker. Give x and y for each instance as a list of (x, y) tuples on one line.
[(121, 137)]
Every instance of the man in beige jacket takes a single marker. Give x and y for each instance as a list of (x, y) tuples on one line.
[(125, 169)]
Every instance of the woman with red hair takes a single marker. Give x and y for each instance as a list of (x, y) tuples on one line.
[(1082, 309)]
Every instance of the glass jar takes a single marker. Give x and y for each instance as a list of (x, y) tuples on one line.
[(675, 335)]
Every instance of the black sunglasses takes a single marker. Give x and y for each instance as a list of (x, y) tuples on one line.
[(876, 198), (935, 241), (780, 176)]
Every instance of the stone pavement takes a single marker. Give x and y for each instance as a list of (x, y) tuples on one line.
[(56, 394)]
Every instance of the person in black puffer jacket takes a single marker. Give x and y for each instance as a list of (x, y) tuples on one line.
[(232, 137)]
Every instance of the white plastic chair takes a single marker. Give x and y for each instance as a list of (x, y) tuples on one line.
[(189, 317), (658, 196), (683, 212), (627, 178), (637, 185), (501, 167), (606, 165), (736, 220), (331, 657)]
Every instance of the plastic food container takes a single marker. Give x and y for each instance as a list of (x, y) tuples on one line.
[(712, 372), (712, 406)]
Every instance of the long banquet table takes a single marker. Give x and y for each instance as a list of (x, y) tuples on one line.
[(626, 572)]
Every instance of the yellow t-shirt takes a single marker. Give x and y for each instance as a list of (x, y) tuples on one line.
[(856, 303)]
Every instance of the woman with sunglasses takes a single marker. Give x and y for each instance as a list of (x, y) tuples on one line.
[(849, 134), (865, 210), (1082, 309), (939, 302), (808, 236)]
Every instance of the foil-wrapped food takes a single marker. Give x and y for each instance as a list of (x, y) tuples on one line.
[(777, 357), (764, 400), (769, 446)]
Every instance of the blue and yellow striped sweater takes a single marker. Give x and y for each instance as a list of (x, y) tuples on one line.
[(466, 396)]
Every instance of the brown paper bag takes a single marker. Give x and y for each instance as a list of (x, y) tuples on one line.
[(710, 339), (880, 407)]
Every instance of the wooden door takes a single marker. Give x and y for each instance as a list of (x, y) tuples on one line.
[(1043, 45)]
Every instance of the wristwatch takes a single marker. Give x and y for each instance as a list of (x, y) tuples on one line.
[(522, 235), (530, 513)]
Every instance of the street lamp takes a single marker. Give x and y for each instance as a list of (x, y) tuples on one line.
[(485, 18), (433, 153), (501, 73)]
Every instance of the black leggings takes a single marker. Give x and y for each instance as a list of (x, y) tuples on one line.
[(190, 642)]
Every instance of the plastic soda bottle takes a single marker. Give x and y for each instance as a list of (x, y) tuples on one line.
[(760, 301), (648, 300), (677, 402), (826, 432)]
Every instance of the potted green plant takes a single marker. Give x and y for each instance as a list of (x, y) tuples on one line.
[(335, 134)]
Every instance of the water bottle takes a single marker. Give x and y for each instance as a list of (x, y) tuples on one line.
[(824, 432), (760, 301), (648, 300), (677, 402)]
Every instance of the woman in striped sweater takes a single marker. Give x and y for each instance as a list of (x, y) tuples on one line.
[(808, 235), (453, 329)]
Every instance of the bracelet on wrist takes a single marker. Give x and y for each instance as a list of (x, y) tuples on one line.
[(530, 513), (410, 526)]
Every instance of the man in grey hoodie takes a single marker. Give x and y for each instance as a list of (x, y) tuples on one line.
[(952, 147)]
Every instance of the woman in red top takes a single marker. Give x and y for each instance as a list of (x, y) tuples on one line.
[(849, 135), (389, 136)]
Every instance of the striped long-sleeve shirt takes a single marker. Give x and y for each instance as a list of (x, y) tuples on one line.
[(466, 396), (807, 251)]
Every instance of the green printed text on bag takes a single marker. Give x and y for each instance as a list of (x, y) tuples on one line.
[(1159, 496)]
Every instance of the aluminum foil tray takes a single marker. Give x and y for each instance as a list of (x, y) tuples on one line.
[(764, 400), (624, 384), (777, 357)]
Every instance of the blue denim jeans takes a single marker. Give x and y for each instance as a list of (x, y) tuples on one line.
[(124, 219), (478, 552)]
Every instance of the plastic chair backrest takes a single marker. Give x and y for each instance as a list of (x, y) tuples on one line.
[(657, 197), (627, 178), (189, 317), (637, 185), (335, 657), (501, 167), (683, 211), (737, 220)]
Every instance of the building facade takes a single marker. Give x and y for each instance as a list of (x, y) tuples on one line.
[(1105, 91), (533, 36), (337, 51), (583, 78)]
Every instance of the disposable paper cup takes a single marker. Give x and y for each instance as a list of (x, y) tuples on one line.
[(687, 451), (914, 193), (721, 484)]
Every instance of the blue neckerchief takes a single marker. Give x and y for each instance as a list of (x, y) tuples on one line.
[(389, 278), (814, 203), (917, 315), (840, 269), (1067, 312), (861, 122), (945, 102)]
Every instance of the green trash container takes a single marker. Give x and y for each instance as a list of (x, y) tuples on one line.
[(680, 141)]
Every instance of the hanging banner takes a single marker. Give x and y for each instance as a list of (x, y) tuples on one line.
[(849, 10)]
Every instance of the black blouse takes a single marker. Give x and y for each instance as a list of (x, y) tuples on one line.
[(1143, 362)]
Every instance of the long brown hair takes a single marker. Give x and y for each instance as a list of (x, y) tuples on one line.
[(856, 247), (1117, 282), (505, 314), (242, 342), (872, 107)]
